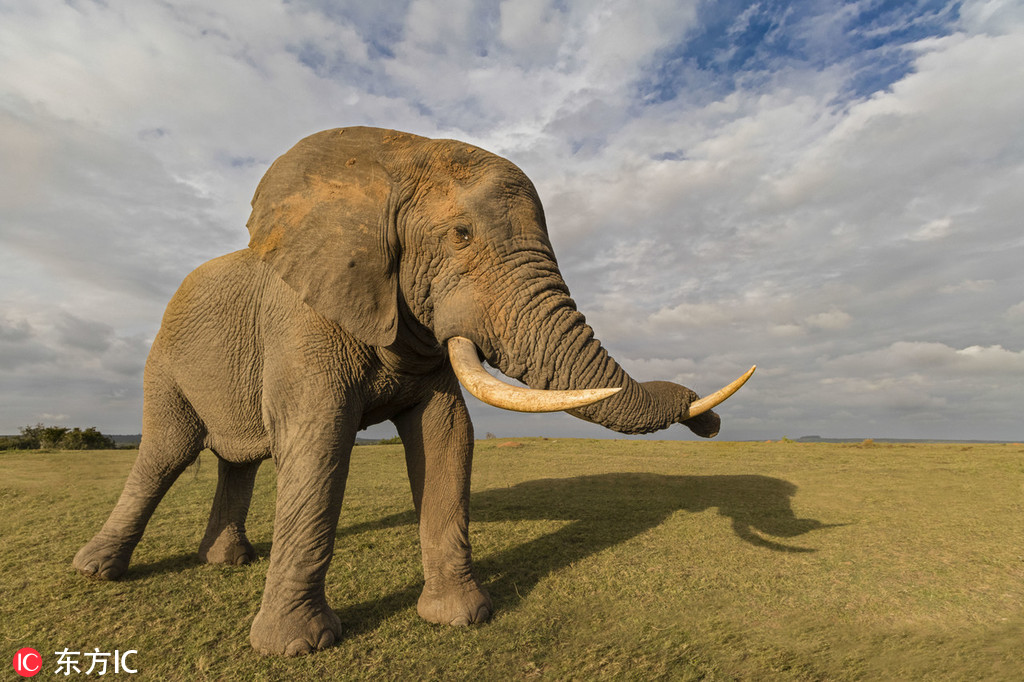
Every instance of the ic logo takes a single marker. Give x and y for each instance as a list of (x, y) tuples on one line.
[(27, 662)]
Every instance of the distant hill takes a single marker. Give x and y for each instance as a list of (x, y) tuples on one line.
[(820, 439)]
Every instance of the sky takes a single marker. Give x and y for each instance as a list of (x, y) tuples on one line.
[(830, 190)]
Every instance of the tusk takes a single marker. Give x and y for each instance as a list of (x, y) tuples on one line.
[(701, 406), (483, 386)]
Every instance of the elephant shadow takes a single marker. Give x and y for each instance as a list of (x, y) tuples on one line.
[(604, 510)]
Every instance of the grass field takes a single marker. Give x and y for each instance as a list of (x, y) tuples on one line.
[(605, 559)]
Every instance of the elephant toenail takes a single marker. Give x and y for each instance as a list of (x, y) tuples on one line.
[(298, 647), (326, 639)]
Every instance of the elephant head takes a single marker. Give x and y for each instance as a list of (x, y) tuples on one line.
[(421, 245)]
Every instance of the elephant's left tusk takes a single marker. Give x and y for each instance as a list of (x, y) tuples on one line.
[(484, 387), (706, 403)]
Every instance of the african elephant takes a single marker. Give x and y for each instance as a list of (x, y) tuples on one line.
[(372, 253)]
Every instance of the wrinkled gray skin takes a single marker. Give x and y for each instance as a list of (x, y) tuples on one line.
[(369, 250)]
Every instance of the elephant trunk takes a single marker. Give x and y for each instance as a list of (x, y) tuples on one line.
[(552, 347)]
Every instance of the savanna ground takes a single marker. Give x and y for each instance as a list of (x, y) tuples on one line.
[(605, 559)]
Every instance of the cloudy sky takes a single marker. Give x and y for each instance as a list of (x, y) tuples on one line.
[(833, 190)]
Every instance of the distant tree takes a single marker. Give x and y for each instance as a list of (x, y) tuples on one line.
[(17, 443), (394, 440), (32, 435), (89, 439), (44, 436), (40, 436)]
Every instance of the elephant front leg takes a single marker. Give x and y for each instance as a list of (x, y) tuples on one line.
[(438, 439), (225, 541), (294, 617)]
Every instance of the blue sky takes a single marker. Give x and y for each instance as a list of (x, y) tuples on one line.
[(830, 190), (738, 41)]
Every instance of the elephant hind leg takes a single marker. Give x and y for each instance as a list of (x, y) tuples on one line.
[(225, 541), (172, 436)]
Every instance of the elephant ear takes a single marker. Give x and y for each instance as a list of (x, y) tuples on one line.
[(323, 219)]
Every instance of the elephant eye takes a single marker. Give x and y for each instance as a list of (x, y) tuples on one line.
[(461, 235)]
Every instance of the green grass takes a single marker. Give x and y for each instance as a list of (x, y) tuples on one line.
[(605, 559)]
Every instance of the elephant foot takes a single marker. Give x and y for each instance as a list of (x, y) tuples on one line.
[(229, 547), (103, 557), (298, 628), (449, 603)]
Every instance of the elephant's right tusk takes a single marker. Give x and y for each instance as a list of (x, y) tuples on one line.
[(484, 387), (706, 403)]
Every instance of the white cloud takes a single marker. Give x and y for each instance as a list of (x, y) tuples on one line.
[(532, 30), (1015, 311), (910, 151), (786, 330), (996, 17), (969, 286), (934, 229), (938, 358), (995, 359), (833, 319)]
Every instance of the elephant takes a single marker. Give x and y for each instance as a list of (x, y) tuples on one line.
[(382, 268)]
